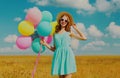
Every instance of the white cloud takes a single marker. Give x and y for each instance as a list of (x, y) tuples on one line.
[(116, 44), (94, 45), (40, 2), (107, 6), (9, 49), (81, 27), (25, 10), (103, 5), (115, 4), (91, 48), (80, 12), (94, 32), (17, 19), (74, 44), (114, 30), (13, 48), (5, 49), (78, 4), (10, 38), (83, 5)]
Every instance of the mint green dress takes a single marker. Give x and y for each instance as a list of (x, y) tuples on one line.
[(63, 59)]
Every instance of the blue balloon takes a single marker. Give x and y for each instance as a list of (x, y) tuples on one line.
[(44, 28), (36, 46), (46, 16), (43, 49)]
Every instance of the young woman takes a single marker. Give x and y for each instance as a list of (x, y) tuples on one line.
[(63, 63)]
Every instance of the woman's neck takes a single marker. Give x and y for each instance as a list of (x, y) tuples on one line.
[(63, 29)]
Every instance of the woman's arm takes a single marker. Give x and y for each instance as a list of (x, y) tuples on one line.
[(52, 48), (79, 36)]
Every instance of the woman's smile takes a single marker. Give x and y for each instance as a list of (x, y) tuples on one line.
[(64, 21)]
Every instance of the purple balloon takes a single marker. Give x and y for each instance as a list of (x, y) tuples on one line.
[(23, 42)]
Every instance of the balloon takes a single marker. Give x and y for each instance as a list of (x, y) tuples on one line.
[(48, 39), (35, 35), (25, 28), (44, 28), (41, 37), (23, 42), (36, 46), (43, 49), (34, 15), (47, 16), (53, 24)]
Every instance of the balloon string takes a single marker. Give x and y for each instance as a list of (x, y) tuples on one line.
[(34, 70)]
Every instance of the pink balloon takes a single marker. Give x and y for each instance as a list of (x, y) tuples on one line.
[(23, 42), (34, 16), (48, 39), (41, 37)]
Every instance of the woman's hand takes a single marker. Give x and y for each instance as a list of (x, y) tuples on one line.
[(43, 42), (74, 26), (80, 35)]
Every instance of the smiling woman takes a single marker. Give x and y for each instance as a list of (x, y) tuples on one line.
[(63, 63), (98, 19)]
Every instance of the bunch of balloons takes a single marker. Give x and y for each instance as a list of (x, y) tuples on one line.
[(36, 26)]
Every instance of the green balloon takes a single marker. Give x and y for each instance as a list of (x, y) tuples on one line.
[(46, 16), (43, 49), (36, 45), (44, 28)]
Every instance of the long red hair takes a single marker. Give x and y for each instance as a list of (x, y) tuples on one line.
[(67, 27)]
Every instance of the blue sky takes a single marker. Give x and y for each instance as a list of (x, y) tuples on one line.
[(99, 20)]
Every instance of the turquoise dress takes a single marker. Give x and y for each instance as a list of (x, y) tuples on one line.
[(63, 59)]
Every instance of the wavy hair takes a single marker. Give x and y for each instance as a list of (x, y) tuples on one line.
[(67, 27)]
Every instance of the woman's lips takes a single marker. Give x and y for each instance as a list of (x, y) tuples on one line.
[(63, 23)]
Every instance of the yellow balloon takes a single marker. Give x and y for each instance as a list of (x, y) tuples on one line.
[(53, 24), (26, 28)]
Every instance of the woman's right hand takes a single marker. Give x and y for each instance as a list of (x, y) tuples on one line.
[(43, 42)]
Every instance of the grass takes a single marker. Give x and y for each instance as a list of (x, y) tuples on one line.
[(87, 67)]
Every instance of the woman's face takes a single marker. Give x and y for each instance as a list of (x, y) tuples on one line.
[(64, 21)]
